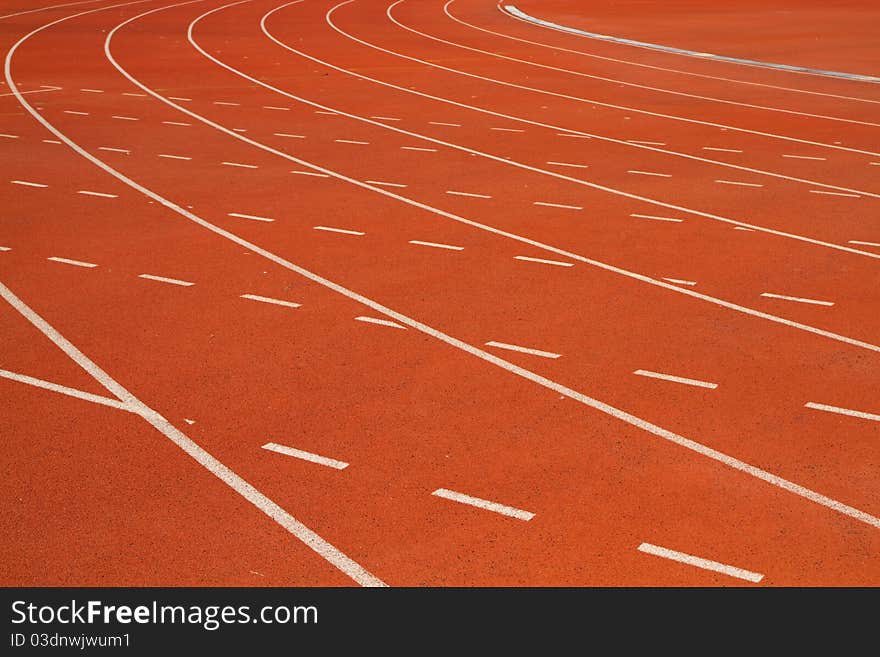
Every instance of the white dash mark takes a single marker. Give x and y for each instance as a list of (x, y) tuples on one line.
[(544, 262), (650, 173), (289, 136), (843, 411), (706, 564), (741, 184), (223, 102), (250, 216), (305, 456), (9, 136), (125, 118), (339, 230), (381, 322), (558, 205), (162, 279), (242, 166), (384, 118), (865, 243), (679, 281), (751, 230), (5, 248), (568, 134), (805, 157), (185, 100), (451, 125), (174, 157), (86, 192), (721, 150), (277, 302), (76, 113), (676, 379), (129, 93), (523, 350), (507, 129), (75, 263), (275, 107), (770, 295), (569, 164), (51, 141), (352, 141), (437, 245), (383, 184), (188, 421), (822, 191), (646, 143), (93, 91), (325, 112), (874, 164), (454, 193), (27, 184), (656, 218), (114, 150), (310, 173), (418, 148), (176, 123), (484, 504)]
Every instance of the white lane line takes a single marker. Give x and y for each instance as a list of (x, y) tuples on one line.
[(451, 125), (480, 503), (523, 350), (75, 263), (27, 184), (544, 261), (352, 141), (277, 302), (310, 173), (9, 136), (162, 279), (864, 243), (507, 129), (437, 245), (125, 118), (86, 192), (822, 191), (569, 164), (305, 456), (650, 173), (735, 182), (384, 184), (185, 100), (843, 411), (275, 107), (384, 118), (64, 390), (129, 93), (253, 217), (288, 135), (656, 218), (242, 166), (76, 113), (174, 157), (380, 322), (454, 193), (676, 379), (805, 157), (558, 205), (51, 141), (647, 143), (114, 150), (93, 91), (223, 102), (770, 295), (176, 123), (339, 230), (419, 148), (721, 150), (706, 564), (679, 281)]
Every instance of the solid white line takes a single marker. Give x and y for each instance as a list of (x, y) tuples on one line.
[(821, 191), (352, 141), (381, 322), (417, 148), (64, 390), (864, 243), (305, 456), (805, 157), (384, 184), (185, 100), (650, 216), (558, 205), (176, 123), (274, 107), (680, 281), (384, 118), (9, 136), (437, 245), (162, 279), (27, 184), (114, 150), (339, 230), (86, 192), (843, 411), (523, 350), (770, 295), (242, 166), (174, 157), (249, 216), (544, 262), (76, 113), (451, 125), (223, 102), (277, 302), (507, 129), (454, 193), (734, 182), (706, 564), (721, 150), (484, 504), (76, 263), (648, 143), (310, 173), (676, 379), (125, 118), (93, 91), (568, 164), (284, 134), (651, 173)]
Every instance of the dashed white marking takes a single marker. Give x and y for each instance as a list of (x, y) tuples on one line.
[(751, 230), (821, 191), (523, 350), (558, 205), (162, 279), (352, 141), (75, 263), (125, 118), (114, 150), (645, 143), (507, 129), (174, 157), (770, 295), (242, 166), (285, 134), (310, 173), (305, 456), (454, 193), (9, 136), (188, 421), (176, 123), (326, 112), (27, 184), (339, 230), (544, 261), (185, 100), (275, 107), (843, 411), (277, 302), (569, 164), (864, 243), (721, 150), (451, 125), (735, 182), (480, 503), (380, 322), (384, 118), (676, 379), (253, 217), (5, 248), (656, 218), (679, 281), (87, 192), (129, 93), (223, 102), (93, 91), (51, 141), (418, 148), (76, 113), (573, 136), (384, 184), (437, 245), (706, 564), (874, 164), (805, 157), (650, 173)]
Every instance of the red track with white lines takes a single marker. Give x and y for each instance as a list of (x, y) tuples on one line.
[(424, 293)]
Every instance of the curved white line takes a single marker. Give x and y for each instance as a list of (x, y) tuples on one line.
[(50, 7)]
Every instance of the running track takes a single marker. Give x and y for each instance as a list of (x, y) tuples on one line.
[(329, 293)]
